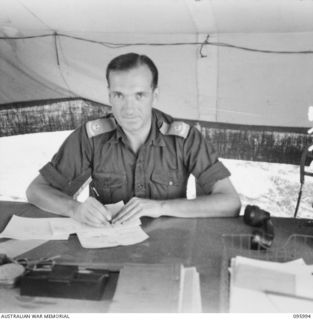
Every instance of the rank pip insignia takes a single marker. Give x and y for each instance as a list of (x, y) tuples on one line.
[(95, 127), (179, 128), (99, 126)]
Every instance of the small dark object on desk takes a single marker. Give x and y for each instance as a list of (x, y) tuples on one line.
[(261, 238), (65, 281)]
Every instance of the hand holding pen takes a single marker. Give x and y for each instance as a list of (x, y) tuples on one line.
[(92, 212), (108, 217)]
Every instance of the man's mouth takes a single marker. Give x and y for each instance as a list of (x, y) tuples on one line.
[(129, 118)]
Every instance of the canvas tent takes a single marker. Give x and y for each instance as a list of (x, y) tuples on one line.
[(240, 70), (60, 48)]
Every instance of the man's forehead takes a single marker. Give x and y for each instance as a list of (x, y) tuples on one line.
[(139, 77)]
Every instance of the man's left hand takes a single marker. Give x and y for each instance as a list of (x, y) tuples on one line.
[(136, 208)]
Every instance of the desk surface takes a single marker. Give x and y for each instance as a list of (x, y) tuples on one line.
[(191, 242)]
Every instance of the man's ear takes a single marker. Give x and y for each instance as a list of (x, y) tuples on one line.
[(109, 93), (156, 94)]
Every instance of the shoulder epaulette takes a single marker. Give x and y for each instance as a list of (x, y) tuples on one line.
[(176, 128), (99, 126)]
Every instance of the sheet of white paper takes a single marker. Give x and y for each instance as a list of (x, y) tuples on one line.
[(290, 304), (290, 266), (69, 225), (97, 241), (66, 226), (114, 208), (245, 299), (114, 237), (253, 301), (304, 284), (31, 228), (130, 235)]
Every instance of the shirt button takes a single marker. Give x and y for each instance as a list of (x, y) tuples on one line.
[(139, 186), (170, 183)]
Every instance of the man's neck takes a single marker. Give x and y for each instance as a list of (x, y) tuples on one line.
[(138, 138)]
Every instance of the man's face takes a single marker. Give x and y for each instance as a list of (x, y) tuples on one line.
[(132, 98)]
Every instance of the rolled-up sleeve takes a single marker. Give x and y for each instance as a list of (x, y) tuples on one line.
[(70, 167), (202, 161)]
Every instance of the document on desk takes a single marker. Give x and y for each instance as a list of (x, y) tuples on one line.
[(266, 286), (60, 228), (22, 228), (121, 236)]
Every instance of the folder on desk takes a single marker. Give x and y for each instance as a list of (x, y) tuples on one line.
[(157, 288), (266, 286)]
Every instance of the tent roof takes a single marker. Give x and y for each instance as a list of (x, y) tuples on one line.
[(31, 17), (255, 68)]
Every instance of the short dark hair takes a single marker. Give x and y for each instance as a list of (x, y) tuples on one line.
[(132, 60)]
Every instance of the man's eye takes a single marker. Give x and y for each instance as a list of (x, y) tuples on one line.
[(117, 95), (140, 95)]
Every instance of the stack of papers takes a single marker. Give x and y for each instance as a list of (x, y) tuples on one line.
[(265, 286), (60, 228)]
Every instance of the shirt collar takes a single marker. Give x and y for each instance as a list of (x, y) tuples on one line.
[(155, 137), (118, 134)]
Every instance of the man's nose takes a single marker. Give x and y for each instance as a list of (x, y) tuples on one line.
[(129, 104)]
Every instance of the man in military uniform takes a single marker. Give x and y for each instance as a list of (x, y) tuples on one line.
[(137, 154)]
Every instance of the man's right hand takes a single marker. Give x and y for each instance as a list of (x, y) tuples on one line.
[(92, 212)]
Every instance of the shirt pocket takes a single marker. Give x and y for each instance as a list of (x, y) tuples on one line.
[(167, 185), (111, 186)]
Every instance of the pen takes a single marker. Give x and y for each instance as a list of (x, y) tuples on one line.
[(96, 192)]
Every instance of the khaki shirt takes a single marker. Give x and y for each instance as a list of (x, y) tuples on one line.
[(160, 169)]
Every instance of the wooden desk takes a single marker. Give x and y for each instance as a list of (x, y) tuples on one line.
[(191, 242)]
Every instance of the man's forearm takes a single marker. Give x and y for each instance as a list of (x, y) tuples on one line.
[(215, 205), (222, 202), (50, 199), (47, 198)]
